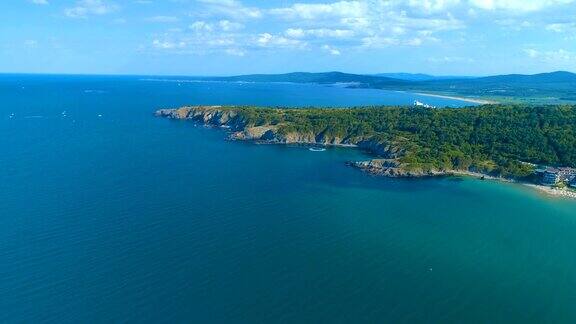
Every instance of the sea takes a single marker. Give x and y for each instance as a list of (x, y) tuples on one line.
[(111, 215)]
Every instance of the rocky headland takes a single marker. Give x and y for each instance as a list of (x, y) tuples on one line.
[(405, 142), (388, 154)]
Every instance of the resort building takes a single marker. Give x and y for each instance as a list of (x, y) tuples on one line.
[(418, 103), (552, 176)]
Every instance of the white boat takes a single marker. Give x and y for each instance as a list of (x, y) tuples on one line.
[(317, 149)]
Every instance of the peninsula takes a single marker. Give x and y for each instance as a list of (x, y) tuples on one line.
[(502, 141), (543, 88)]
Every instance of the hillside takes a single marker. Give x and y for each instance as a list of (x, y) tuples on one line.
[(305, 77), (550, 88), (419, 76), (547, 87), (494, 140)]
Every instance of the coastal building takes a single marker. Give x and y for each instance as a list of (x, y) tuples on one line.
[(552, 176), (418, 103)]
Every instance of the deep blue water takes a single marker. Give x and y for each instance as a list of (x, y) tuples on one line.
[(109, 214)]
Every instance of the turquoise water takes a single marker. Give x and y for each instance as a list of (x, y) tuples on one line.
[(130, 218)]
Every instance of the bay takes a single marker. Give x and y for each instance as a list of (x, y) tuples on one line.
[(109, 214)]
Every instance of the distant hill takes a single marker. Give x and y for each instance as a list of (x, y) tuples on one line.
[(306, 77), (553, 87), (551, 77), (549, 87), (419, 76)]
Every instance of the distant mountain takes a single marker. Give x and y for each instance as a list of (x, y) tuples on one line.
[(553, 87), (550, 87), (551, 77), (306, 77), (419, 76)]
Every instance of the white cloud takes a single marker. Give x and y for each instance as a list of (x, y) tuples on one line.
[(229, 3), (220, 42), (201, 26), (84, 8), (371, 23), (232, 8), (311, 11), (561, 27), (517, 5), (430, 6), (222, 25), (237, 28), (531, 52), (275, 41), (227, 25), (553, 56), (167, 44), (381, 42), (331, 50), (206, 37), (40, 2), (320, 33), (163, 19)]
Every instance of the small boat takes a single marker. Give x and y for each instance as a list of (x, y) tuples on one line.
[(317, 149)]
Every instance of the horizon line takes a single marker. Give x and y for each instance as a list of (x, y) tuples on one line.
[(281, 73)]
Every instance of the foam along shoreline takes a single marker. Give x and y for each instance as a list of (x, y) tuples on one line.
[(546, 190), (466, 99), (556, 192)]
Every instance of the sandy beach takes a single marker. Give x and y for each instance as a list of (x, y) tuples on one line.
[(549, 191), (472, 100)]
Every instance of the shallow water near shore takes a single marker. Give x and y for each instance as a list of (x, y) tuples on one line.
[(112, 215)]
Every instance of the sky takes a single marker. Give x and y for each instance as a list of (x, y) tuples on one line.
[(230, 37)]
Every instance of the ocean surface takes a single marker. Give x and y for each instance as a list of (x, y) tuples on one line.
[(110, 215)]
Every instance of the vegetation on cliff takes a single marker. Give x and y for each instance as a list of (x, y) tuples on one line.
[(493, 139)]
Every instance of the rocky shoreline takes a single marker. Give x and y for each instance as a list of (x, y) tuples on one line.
[(387, 164), (219, 116)]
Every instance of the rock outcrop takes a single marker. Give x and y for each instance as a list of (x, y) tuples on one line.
[(393, 168), (388, 163), (208, 115)]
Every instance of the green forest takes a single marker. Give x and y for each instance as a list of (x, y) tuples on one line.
[(502, 140)]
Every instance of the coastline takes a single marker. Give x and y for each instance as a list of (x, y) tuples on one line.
[(542, 189), (387, 162), (555, 192), (466, 99)]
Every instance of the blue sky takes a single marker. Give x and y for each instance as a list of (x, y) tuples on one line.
[(225, 37)]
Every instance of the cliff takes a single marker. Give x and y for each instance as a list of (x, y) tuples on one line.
[(500, 141), (241, 127)]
